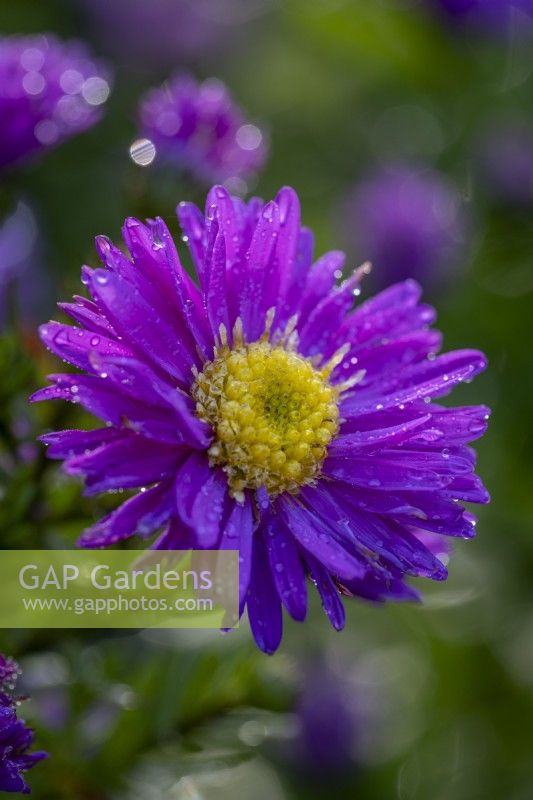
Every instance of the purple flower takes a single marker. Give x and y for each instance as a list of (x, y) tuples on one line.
[(406, 221), (15, 736), (199, 128), (49, 91), (24, 286), (260, 411), (507, 163), (327, 725)]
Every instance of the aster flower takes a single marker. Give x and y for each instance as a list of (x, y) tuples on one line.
[(406, 220), (199, 128), (15, 736), (260, 411), (49, 91)]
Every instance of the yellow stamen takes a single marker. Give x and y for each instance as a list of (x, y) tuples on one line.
[(273, 413)]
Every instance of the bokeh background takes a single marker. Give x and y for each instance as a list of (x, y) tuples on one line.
[(407, 129)]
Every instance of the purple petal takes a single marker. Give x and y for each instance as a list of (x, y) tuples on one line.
[(207, 509), (215, 270), (321, 279), (286, 566), (372, 536), (238, 535), (264, 608), (386, 358), (192, 224), (133, 378), (331, 602), (302, 266), (135, 318), (230, 226), (429, 379), (104, 400), (314, 536), (453, 426), (200, 496), (141, 514), (128, 463), (468, 488), (378, 591), (319, 332), (285, 266), (346, 444), (189, 298), (149, 253), (253, 293), (64, 444), (75, 344), (89, 316), (176, 537), (391, 313), (389, 474)]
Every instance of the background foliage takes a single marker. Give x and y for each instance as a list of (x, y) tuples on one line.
[(436, 701)]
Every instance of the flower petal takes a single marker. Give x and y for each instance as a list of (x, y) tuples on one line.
[(238, 535), (253, 297), (74, 345), (140, 325), (331, 602), (286, 566), (141, 514), (434, 378), (64, 444), (384, 542), (264, 608), (128, 463), (315, 538)]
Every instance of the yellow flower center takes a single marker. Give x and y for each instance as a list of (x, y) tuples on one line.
[(273, 414)]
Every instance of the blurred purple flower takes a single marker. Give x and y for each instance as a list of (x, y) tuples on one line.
[(407, 222), (327, 725), (164, 32), (15, 736), (493, 16), (261, 411), (199, 127), (507, 163), (49, 91), (25, 289)]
